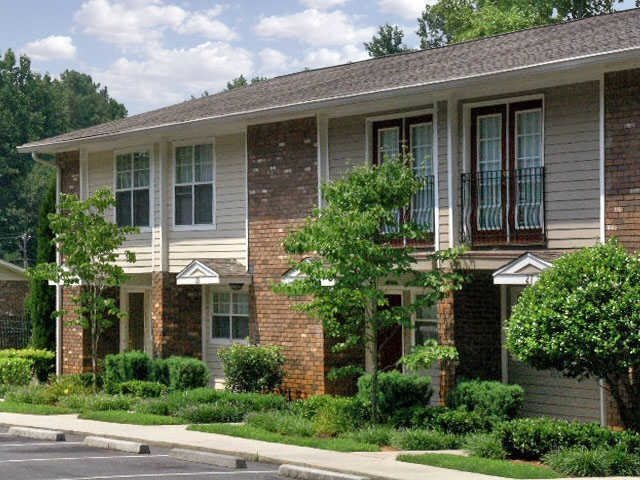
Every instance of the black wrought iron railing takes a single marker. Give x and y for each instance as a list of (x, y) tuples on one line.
[(421, 211), (503, 206)]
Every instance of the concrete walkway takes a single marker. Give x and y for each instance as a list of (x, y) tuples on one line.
[(383, 467)]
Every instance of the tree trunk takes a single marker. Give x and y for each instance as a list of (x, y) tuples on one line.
[(626, 394), (375, 414)]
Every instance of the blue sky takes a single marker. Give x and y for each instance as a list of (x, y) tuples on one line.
[(152, 53)]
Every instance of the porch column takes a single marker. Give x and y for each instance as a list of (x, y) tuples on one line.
[(446, 324)]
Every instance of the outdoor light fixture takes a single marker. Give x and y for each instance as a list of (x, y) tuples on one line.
[(236, 286)]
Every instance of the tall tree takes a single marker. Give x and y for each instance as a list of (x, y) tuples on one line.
[(387, 41)]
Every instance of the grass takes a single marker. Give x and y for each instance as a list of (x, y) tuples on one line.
[(499, 468), (32, 408), (121, 416), (247, 431)]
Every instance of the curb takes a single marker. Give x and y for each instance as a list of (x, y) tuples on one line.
[(120, 445), (37, 433), (216, 459), (305, 473)]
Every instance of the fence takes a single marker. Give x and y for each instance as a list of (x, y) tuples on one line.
[(15, 331)]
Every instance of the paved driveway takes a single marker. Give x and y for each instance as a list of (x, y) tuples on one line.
[(22, 458)]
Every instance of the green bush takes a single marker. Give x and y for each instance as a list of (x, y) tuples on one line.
[(15, 371), (487, 398), (485, 445), (419, 439), (598, 462), (220, 412), (282, 423), (142, 388), (338, 415), (103, 402), (123, 367), (373, 434), (395, 391), (152, 406), (33, 394), (310, 406), (461, 422), (252, 368), (67, 385), (186, 373), (44, 361)]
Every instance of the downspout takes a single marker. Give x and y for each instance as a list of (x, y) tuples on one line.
[(53, 164)]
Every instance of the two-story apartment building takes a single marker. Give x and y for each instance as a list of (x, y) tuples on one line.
[(527, 143)]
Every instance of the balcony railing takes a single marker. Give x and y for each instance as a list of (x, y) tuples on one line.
[(421, 212), (503, 207)]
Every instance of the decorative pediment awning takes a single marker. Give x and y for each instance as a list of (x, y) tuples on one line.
[(524, 270), (214, 272), (294, 274)]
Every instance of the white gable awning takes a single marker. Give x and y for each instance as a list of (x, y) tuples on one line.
[(213, 272), (524, 270)]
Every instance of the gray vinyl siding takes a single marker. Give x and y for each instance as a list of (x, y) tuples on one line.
[(347, 144), (443, 191)]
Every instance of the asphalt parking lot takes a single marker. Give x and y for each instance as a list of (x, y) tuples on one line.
[(27, 459)]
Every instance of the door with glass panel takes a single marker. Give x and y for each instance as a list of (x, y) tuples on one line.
[(420, 131)]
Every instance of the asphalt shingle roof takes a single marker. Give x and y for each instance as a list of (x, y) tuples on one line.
[(512, 51)]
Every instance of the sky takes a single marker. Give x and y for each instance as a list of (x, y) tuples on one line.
[(152, 53)]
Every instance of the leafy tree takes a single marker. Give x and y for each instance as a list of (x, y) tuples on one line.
[(387, 41), (582, 318), (350, 258), (89, 261), (41, 302), (241, 81)]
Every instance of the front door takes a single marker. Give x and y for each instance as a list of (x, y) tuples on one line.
[(136, 319), (390, 341)]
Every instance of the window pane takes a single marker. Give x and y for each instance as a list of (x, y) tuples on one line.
[(123, 162), (123, 208), (141, 169), (427, 312), (240, 304), (221, 327), (204, 204), (184, 164), (123, 180), (490, 176), (426, 331), (422, 148), (221, 303), (183, 206), (388, 143), (141, 208), (204, 163), (529, 139), (490, 143), (240, 327)]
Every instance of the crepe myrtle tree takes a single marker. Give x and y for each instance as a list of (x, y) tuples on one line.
[(88, 242), (351, 253), (582, 318)]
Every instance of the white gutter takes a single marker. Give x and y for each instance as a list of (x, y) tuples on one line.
[(456, 82), (38, 159)]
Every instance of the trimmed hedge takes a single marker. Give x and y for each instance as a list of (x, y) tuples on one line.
[(15, 371), (488, 398), (142, 388), (124, 367), (43, 361), (396, 391), (252, 368)]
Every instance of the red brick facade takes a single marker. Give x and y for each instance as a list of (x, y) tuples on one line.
[(283, 190), (13, 294), (446, 336)]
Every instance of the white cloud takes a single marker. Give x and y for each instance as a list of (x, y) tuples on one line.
[(168, 76), (274, 62), (315, 27), (133, 24), (408, 9), (322, 4), (54, 47)]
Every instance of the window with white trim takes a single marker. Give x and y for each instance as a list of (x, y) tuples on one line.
[(230, 316), (132, 189), (194, 193), (426, 324)]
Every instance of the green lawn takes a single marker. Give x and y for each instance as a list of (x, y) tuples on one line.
[(32, 408), (121, 416), (247, 431), (499, 468)]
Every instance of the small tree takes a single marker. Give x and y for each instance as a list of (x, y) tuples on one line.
[(352, 254), (87, 242), (387, 41), (582, 318)]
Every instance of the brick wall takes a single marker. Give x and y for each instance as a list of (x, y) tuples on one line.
[(622, 156), (446, 336), (12, 297), (477, 328), (176, 315), (282, 184)]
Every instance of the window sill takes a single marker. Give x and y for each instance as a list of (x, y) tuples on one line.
[(194, 228), (227, 341)]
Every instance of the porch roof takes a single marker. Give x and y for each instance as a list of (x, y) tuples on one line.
[(214, 272), (524, 270)]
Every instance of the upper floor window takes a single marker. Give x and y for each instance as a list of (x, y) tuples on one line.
[(194, 185), (230, 316), (132, 189)]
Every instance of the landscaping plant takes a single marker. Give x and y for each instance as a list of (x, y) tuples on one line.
[(488, 398), (252, 368)]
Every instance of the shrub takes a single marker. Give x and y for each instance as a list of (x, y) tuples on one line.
[(103, 402), (598, 462), (44, 361), (142, 388), (338, 415), (220, 412), (153, 406), (257, 402), (33, 394), (186, 373), (123, 367), (15, 371), (395, 391), (485, 445), (252, 368), (67, 385), (419, 439), (282, 423), (310, 406), (373, 434), (461, 422), (488, 398)]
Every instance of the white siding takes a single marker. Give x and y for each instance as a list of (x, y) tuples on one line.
[(443, 193)]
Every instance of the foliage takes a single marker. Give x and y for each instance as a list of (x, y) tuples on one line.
[(15, 371), (89, 261), (103, 402), (121, 416), (252, 368), (372, 434), (396, 391), (124, 367), (41, 301), (339, 415), (349, 251), (282, 423), (66, 385), (387, 41), (488, 398), (418, 439), (32, 409), (142, 388), (152, 406), (241, 81), (43, 360), (186, 373), (598, 462), (461, 422), (423, 356), (583, 318), (485, 445), (32, 394), (220, 412)]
